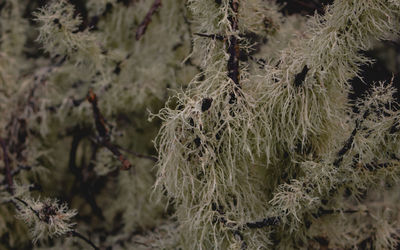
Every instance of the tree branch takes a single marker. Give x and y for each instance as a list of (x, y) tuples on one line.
[(212, 36), (15, 172), (233, 45), (270, 221), (147, 19), (346, 147), (7, 167), (103, 132), (80, 236)]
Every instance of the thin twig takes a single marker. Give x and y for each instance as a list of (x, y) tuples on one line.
[(103, 132), (270, 221), (212, 36), (80, 236), (114, 149), (147, 19), (346, 147), (321, 212), (98, 117), (27, 205), (233, 45)]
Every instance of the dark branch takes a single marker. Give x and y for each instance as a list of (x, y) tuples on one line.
[(233, 45), (271, 221), (346, 147), (80, 236), (16, 171), (114, 149), (98, 117), (103, 132), (7, 167), (27, 205), (147, 19), (321, 212), (212, 36)]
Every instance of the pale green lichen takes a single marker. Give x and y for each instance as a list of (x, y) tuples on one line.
[(281, 144), (46, 218), (223, 163)]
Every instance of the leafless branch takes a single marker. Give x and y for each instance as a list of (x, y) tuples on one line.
[(103, 132), (147, 19)]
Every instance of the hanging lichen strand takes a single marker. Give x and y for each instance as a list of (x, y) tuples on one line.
[(305, 97), (268, 160), (206, 143)]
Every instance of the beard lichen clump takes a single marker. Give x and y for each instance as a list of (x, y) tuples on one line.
[(263, 140), (207, 150), (273, 149)]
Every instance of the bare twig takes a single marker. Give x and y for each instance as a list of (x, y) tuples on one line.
[(103, 132), (147, 19), (114, 149), (98, 117), (321, 212), (80, 236)]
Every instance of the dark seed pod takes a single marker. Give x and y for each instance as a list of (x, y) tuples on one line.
[(206, 104)]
